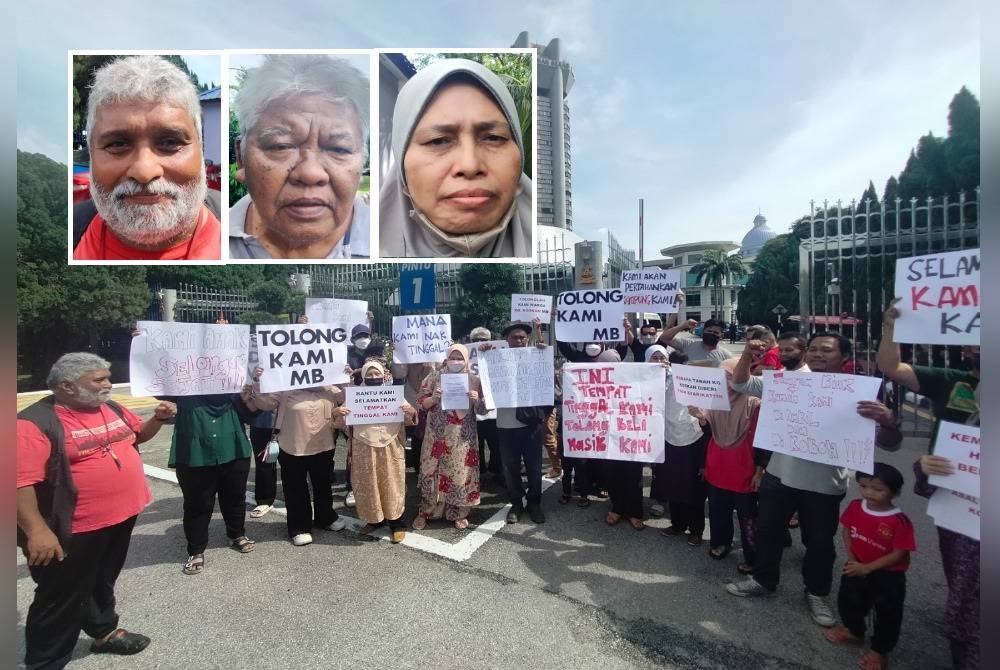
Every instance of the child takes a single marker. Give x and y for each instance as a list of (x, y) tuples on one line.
[(879, 539)]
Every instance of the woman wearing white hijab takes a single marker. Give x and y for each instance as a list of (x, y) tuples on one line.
[(457, 187)]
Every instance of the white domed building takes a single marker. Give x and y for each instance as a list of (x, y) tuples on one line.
[(755, 238)]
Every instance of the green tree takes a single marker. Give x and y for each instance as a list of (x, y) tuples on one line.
[(272, 296), (485, 298), (715, 268), (891, 192), (870, 196), (772, 282), (961, 149)]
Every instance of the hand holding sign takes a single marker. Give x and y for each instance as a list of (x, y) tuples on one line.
[(940, 298)]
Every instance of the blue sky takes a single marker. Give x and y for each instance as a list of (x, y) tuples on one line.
[(709, 111)]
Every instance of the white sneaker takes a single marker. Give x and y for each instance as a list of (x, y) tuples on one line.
[(302, 539), (656, 509), (820, 610), (339, 524), (349, 500)]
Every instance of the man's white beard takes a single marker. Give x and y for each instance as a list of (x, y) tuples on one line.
[(150, 226), (90, 398)]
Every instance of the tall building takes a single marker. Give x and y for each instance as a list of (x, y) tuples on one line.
[(553, 178)]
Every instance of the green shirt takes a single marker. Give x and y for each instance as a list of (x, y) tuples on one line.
[(952, 394), (207, 432)]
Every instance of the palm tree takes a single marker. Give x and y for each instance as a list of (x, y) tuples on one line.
[(715, 267)]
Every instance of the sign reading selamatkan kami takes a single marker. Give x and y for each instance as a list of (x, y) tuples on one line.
[(337, 312), (613, 411), (422, 338), (939, 298), (651, 290), (590, 316), (527, 307), (181, 359), (814, 416), (302, 355), (960, 444), (373, 404), (518, 377), (700, 387)]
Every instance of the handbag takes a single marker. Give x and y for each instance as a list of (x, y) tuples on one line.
[(532, 415), (269, 454)]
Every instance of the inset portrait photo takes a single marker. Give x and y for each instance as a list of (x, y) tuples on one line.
[(146, 156), (299, 149), (456, 131)]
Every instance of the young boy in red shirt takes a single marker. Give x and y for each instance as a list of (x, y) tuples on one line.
[(879, 539)]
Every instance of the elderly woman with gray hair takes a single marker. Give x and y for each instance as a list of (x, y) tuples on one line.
[(457, 187), (303, 140)]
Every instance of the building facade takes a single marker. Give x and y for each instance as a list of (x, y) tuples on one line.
[(701, 302)]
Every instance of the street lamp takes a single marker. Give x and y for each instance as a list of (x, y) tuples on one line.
[(780, 310)]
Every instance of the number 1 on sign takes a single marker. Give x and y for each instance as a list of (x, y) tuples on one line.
[(418, 283)]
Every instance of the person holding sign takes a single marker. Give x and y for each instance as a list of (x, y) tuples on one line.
[(954, 396), (378, 469), (449, 460), (304, 428)]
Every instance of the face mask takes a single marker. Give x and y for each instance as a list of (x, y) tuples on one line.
[(456, 366), (647, 339), (592, 350), (362, 343), (373, 382), (711, 339)]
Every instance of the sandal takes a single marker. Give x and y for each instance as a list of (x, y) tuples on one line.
[(584, 501), (461, 524), (244, 544), (367, 529), (259, 511), (841, 635), (419, 523), (871, 660), (612, 518), (637, 523), (744, 569), (563, 499), (195, 564), (694, 541), (720, 552)]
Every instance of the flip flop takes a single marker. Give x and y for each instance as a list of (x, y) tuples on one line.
[(841, 635), (259, 511), (612, 518), (461, 524), (637, 523), (871, 660), (419, 523), (195, 564), (244, 544)]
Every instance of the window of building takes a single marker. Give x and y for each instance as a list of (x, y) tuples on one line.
[(693, 299)]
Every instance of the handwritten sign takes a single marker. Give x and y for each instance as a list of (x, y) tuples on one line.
[(960, 444), (700, 386), (188, 358), (955, 511), (474, 352), (519, 377), (337, 312), (526, 307), (590, 316), (651, 288), (302, 356), (613, 412), (813, 415), (455, 390), (420, 339), (373, 404), (940, 298)]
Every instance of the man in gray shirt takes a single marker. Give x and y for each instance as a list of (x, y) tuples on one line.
[(705, 349)]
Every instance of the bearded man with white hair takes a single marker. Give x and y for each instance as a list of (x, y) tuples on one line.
[(80, 487), (147, 167)]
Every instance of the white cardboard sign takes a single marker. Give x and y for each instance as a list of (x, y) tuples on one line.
[(423, 338), (455, 390), (699, 386), (373, 404), (595, 315), (517, 377), (527, 307), (335, 311), (960, 444), (301, 355), (940, 298), (180, 359), (651, 290), (955, 511)]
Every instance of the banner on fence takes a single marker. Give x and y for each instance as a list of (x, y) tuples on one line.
[(373, 404), (813, 415), (421, 338), (955, 511), (169, 358), (613, 411), (527, 307), (590, 316), (940, 298), (337, 312), (960, 444), (651, 290), (518, 377), (302, 355), (700, 386)]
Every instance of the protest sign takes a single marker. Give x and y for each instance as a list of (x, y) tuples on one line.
[(302, 355), (180, 359), (814, 416), (519, 377), (253, 356), (613, 411), (653, 290), (700, 386), (420, 339), (455, 390), (960, 444), (955, 511), (373, 404), (337, 312), (590, 316), (474, 352), (526, 307), (940, 298)]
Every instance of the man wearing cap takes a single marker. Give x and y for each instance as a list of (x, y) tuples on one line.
[(520, 441)]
